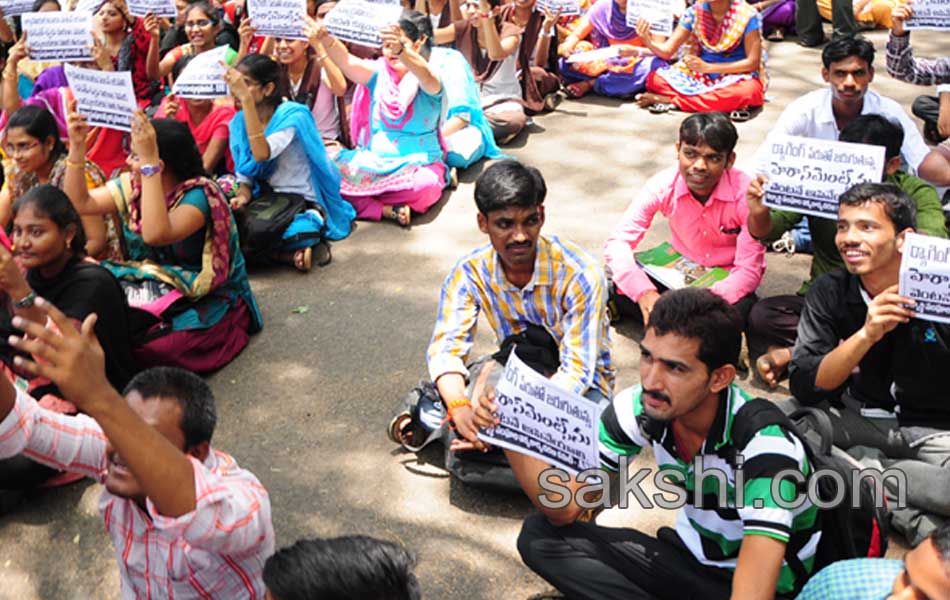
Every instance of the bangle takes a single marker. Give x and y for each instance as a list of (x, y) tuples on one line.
[(322, 58), (549, 34), (75, 164), (450, 406), (402, 48), (255, 136)]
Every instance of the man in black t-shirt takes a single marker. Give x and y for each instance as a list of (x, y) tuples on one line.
[(863, 355)]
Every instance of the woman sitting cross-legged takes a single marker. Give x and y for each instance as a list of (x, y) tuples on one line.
[(722, 70), (280, 160), (401, 167), (49, 243), (183, 268), (605, 25)]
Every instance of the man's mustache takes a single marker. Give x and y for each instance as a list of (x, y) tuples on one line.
[(657, 395)]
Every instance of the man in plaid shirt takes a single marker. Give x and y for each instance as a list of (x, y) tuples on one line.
[(185, 520), (902, 65)]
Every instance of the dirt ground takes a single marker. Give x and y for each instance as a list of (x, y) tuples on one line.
[(306, 405)]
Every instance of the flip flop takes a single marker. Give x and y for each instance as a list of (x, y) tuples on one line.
[(741, 115), (306, 260), (660, 107)]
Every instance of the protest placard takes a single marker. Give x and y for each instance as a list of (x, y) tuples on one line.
[(544, 421), (807, 175), (204, 76), (12, 8), (87, 6), (278, 18), (925, 276), (359, 21), (105, 97), (567, 7), (605, 53), (929, 14), (159, 8), (658, 12), (58, 36)]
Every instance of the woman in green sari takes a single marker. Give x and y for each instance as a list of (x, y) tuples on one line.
[(183, 270)]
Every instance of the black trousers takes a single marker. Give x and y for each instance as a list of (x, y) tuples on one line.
[(927, 109), (587, 562), (808, 20), (773, 322), (626, 307)]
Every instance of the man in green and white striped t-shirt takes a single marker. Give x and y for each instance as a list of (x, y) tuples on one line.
[(730, 539)]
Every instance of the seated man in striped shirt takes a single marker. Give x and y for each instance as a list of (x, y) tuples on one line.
[(185, 520), (520, 281), (684, 409)]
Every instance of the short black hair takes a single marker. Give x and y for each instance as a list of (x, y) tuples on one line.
[(342, 568), (509, 183), (898, 206), (713, 128), (178, 149), (38, 4), (40, 124), (263, 69), (875, 130), (844, 47), (199, 416), (697, 313), (941, 540)]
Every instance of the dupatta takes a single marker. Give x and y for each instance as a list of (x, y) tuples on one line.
[(324, 175)]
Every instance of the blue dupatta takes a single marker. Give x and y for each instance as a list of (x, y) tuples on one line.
[(324, 174), (462, 96)]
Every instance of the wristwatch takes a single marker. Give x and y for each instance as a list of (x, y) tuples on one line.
[(148, 170), (27, 301)]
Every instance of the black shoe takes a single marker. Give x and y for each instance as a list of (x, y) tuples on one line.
[(812, 43)]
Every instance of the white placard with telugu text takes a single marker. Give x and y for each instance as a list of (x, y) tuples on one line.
[(929, 14), (658, 12), (106, 98), (203, 78), (540, 419), (359, 21), (925, 276), (278, 18), (159, 8), (58, 36), (807, 175)]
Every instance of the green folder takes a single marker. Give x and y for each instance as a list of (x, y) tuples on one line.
[(675, 271)]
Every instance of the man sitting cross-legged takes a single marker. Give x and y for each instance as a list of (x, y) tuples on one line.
[(862, 355), (773, 322), (684, 409), (704, 199), (185, 520), (524, 283)]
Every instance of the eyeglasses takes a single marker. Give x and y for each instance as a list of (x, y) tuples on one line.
[(198, 24), (14, 150)]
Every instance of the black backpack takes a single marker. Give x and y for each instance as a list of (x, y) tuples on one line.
[(846, 532)]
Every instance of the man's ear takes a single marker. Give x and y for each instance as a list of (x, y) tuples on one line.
[(892, 165), (731, 160), (901, 238), (721, 378), (200, 450), (825, 74), (482, 222), (541, 213), (871, 73)]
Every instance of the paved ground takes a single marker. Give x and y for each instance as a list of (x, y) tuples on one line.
[(306, 405)]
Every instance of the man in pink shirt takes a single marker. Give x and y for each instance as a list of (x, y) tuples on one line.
[(704, 199), (185, 520)]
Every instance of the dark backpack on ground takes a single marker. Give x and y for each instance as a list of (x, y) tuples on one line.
[(275, 221), (846, 532), (428, 418)]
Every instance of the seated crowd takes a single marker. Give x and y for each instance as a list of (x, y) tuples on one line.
[(124, 271)]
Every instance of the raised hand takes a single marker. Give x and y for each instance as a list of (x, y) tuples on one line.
[(144, 143), (70, 358), (885, 312), (172, 106), (152, 25), (77, 126), (237, 85), (315, 31)]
